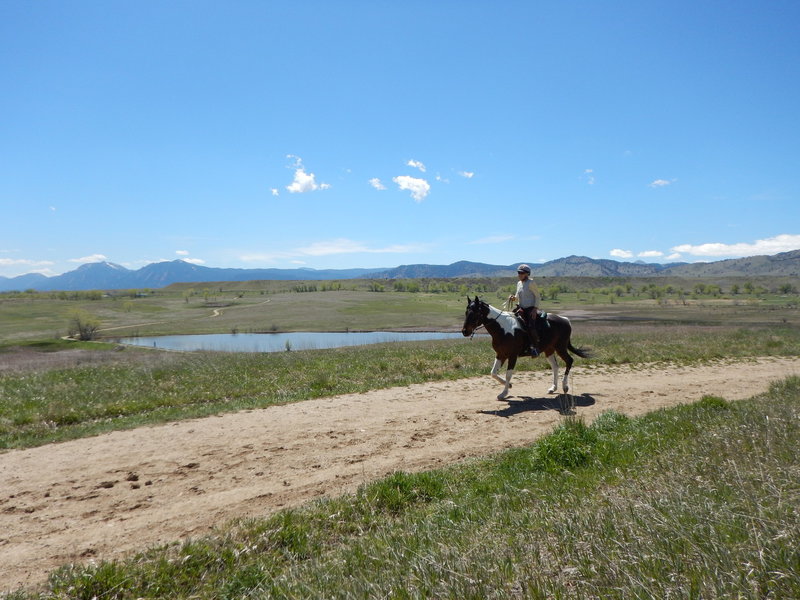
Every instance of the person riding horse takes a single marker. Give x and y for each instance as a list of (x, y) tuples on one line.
[(528, 297)]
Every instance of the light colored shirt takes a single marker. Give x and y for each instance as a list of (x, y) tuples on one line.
[(528, 294)]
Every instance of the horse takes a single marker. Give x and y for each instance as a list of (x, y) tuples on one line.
[(510, 340)]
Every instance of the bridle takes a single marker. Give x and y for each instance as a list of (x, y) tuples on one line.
[(487, 317)]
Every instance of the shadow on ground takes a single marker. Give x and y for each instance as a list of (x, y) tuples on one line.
[(563, 403)]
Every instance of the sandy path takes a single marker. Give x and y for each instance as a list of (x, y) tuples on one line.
[(104, 496)]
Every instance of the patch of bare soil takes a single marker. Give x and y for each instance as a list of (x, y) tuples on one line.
[(104, 497)]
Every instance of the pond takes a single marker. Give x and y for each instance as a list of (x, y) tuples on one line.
[(281, 342)]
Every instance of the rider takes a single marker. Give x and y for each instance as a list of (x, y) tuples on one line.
[(528, 297)]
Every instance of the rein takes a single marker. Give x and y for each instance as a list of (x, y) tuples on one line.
[(506, 306)]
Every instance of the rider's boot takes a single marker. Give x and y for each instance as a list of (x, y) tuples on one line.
[(534, 339), (534, 345)]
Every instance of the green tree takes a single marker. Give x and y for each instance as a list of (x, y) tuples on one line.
[(83, 325)]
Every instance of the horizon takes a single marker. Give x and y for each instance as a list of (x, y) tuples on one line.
[(376, 269), (323, 135)]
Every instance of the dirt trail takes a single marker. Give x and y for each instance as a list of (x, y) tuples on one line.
[(102, 497)]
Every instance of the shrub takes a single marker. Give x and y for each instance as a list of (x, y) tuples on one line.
[(83, 325)]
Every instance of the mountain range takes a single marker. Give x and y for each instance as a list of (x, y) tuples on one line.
[(110, 276)]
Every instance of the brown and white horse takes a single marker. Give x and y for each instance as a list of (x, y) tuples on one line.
[(510, 341)]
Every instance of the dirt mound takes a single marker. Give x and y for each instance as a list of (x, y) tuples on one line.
[(102, 497)]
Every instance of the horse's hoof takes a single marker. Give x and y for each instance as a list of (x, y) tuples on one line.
[(552, 390), (502, 396)]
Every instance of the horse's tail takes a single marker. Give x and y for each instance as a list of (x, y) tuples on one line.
[(582, 352)]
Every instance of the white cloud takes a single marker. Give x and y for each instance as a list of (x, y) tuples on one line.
[(416, 164), (467, 174), (263, 257), (24, 262), (674, 257), (419, 188), (494, 239), (617, 253), (377, 184), (303, 182), (588, 174), (193, 261), (650, 254), (779, 243), (337, 246), (345, 246), (89, 259), (275, 191), (661, 183), (329, 248)]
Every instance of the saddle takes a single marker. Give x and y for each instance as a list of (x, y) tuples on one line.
[(539, 322)]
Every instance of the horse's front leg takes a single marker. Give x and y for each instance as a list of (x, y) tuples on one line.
[(554, 367), (496, 369), (507, 381)]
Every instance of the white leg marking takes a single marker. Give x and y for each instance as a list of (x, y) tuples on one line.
[(496, 369), (554, 366), (502, 395)]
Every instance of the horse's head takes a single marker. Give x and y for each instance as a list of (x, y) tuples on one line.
[(477, 311)]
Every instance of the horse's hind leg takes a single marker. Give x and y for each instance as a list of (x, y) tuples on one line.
[(551, 358), (568, 360)]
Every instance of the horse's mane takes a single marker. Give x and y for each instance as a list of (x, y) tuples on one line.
[(502, 314)]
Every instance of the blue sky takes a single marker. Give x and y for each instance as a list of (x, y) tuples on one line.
[(374, 133)]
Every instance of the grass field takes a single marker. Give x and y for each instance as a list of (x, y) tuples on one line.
[(694, 502), (699, 501), (277, 306), (105, 389)]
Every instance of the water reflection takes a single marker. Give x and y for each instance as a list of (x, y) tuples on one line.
[(280, 342)]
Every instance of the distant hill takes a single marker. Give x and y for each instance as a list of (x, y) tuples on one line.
[(110, 276), (458, 269), (786, 264)]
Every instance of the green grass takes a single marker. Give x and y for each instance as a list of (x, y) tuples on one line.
[(169, 312), (697, 501), (141, 387), (275, 306)]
